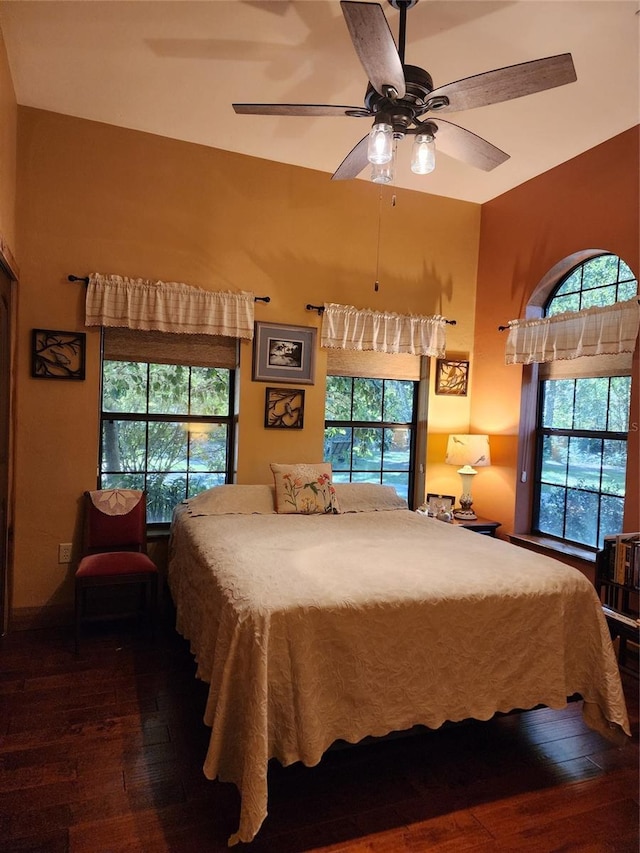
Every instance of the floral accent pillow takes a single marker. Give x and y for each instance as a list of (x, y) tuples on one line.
[(304, 488)]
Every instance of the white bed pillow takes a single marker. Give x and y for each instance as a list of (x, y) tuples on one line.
[(304, 488), (233, 499), (368, 497)]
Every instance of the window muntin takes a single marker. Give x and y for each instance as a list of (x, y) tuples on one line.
[(583, 424), (600, 281), (165, 428), (370, 431)]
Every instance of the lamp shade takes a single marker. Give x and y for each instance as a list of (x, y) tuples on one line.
[(472, 450)]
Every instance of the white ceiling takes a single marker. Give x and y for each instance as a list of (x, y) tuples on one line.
[(174, 68)]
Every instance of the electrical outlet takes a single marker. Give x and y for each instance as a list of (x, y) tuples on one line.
[(64, 552)]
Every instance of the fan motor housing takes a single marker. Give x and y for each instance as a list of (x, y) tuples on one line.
[(400, 4), (419, 86)]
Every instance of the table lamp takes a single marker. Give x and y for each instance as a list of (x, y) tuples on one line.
[(469, 452)]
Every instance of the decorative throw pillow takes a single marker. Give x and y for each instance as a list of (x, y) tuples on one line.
[(368, 497), (230, 499), (304, 488)]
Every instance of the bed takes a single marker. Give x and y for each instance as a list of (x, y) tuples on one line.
[(368, 619)]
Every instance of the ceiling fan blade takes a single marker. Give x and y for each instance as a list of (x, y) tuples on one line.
[(298, 110), (462, 144), (375, 46), (355, 161), (504, 84)]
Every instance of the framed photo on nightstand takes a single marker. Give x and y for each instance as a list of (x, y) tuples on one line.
[(439, 503)]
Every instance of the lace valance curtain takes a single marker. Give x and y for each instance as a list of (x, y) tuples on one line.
[(592, 331), (346, 327), (139, 303)]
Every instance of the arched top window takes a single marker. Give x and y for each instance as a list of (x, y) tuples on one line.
[(583, 419), (597, 282)]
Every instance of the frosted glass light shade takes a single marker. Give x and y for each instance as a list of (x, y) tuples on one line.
[(380, 147), (423, 154), (382, 173)]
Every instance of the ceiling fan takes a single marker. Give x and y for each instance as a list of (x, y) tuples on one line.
[(399, 95)]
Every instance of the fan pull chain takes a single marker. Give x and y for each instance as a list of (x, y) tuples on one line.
[(376, 286)]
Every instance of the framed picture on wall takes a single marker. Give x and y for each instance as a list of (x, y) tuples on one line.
[(452, 377), (57, 355), (284, 353), (284, 408)]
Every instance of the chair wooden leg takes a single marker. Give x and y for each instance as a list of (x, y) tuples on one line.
[(78, 615), (152, 603), (147, 592)]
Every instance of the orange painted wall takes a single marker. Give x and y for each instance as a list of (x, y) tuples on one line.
[(92, 197), (591, 202), (8, 126)]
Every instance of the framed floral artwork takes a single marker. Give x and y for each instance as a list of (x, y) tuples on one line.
[(284, 408), (57, 355), (452, 377)]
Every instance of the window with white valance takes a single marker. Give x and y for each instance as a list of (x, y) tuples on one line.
[(167, 420), (147, 305), (346, 327), (167, 415), (607, 330), (576, 412)]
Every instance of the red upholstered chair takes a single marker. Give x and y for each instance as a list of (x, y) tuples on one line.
[(114, 553)]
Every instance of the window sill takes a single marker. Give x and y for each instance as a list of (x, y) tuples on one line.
[(552, 547), (155, 534)]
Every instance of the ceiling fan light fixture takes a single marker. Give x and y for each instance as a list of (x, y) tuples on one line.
[(382, 173), (423, 154), (398, 95), (380, 147)]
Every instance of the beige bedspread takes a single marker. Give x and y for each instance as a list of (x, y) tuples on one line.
[(314, 628)]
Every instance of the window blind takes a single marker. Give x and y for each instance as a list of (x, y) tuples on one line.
[(616, 364), (373, 365), (121, 344)]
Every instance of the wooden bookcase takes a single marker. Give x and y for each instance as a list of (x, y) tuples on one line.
[(617, 581)]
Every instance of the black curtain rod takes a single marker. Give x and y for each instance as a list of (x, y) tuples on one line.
[(504, 328), (85, 279), (320, 310)]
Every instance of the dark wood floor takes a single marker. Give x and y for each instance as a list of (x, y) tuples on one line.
[(104, 753)]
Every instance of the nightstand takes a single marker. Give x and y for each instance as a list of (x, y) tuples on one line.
[(479, 525)]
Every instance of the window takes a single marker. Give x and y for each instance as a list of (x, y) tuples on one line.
[(370, 427), (583, 419), (165, 428)]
